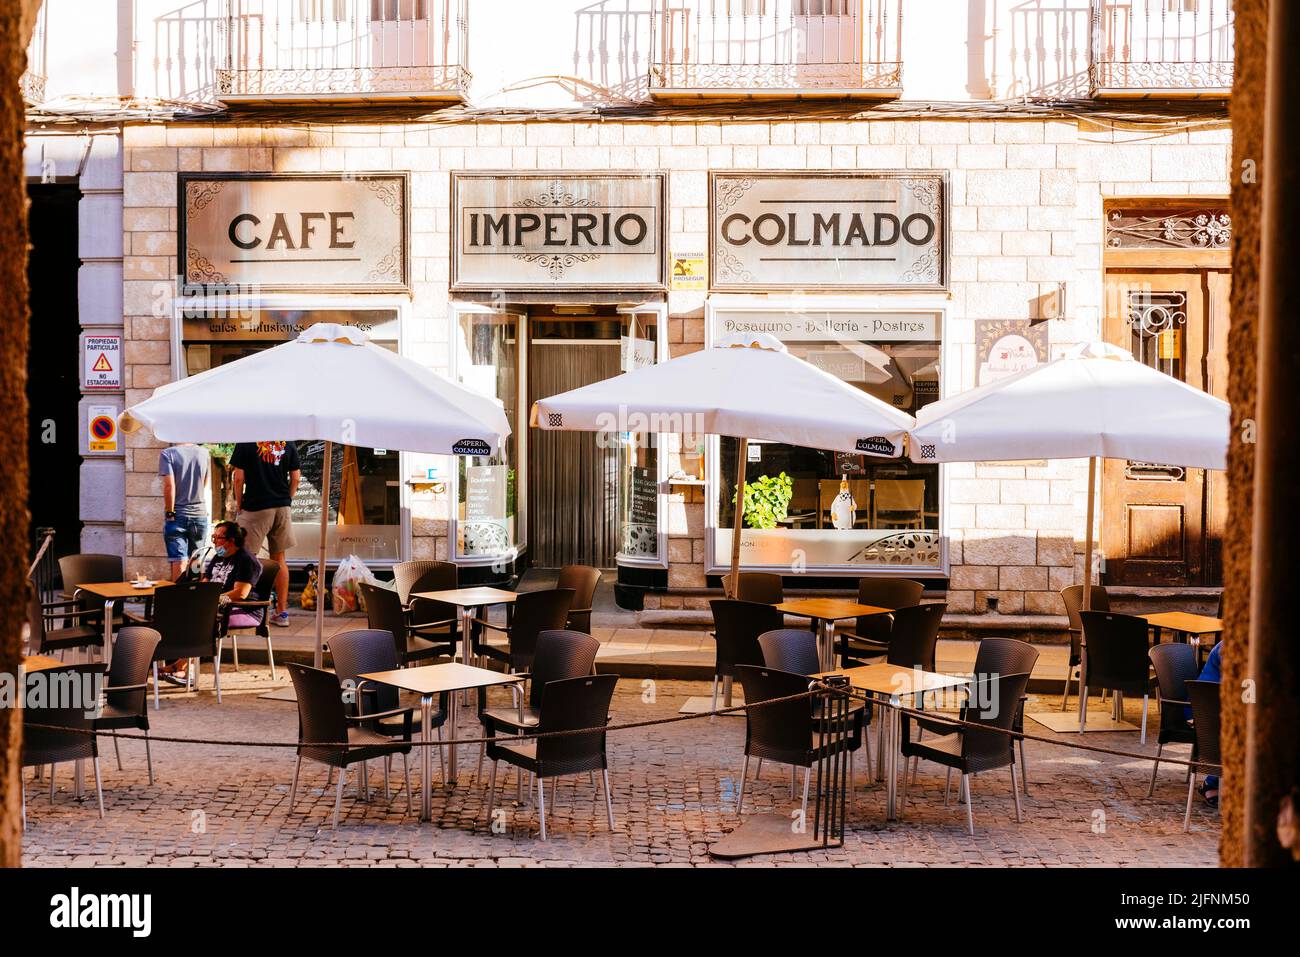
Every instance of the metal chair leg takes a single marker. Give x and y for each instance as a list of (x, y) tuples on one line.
[(970, 814), (947, 784), (714, 705), (492, 793), (541, 804), (148, 757), (234, 649), (1146, 700), (1155, 766), (740, 801), (117, 751), (1065, 694), (902, 802), (1024, 768), (609, 799), (270, 656), (155, 686), (216, 667), (803, 811), (338, 792), (388, 760), (1015, 790), (99, 790), (1187, 812), (293, 789), (406, 775)]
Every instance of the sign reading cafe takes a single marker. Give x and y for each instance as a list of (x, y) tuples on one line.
[(852, 230), (549, 231), (341, 231)]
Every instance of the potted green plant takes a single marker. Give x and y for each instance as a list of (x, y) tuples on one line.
[(767, 500)]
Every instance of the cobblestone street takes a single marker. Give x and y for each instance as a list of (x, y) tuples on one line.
[(674, 791)]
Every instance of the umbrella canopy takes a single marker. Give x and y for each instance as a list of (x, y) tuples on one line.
[(333, 384), (746, 387), (1097, 400)]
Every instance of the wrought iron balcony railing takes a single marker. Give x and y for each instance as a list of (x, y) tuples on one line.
[(295, 50), (1162, 47), (32, 82), (735, 48)]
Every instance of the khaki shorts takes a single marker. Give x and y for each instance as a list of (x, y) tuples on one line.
[(274, 526)]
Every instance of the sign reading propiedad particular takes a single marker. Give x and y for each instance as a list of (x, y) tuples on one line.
[(101, 428), (101, 363)]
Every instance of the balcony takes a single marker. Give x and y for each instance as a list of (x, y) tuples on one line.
[(1162, 48), (339, 51), (32, 82), (742, 49)]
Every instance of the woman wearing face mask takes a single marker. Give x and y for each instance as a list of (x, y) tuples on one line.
[(235, 568)]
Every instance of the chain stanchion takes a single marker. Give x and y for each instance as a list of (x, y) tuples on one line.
[(832, 760)]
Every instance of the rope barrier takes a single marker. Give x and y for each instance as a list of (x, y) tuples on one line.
[(821, 689)]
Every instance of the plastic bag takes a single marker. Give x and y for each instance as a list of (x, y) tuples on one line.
[(309, 590), (346, 585)]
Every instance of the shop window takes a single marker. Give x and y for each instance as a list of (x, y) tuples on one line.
[(638, 451), (489, 521), (821, 510), (365, 495)]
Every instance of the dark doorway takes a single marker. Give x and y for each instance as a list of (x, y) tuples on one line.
[(573, 499), (53, 383)]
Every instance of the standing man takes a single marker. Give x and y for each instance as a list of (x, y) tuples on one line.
[(184, 470), (266, 478)]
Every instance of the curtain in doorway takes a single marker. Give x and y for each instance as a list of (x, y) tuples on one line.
[(573, 503)]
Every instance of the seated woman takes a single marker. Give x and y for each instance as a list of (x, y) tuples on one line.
[(1213, 671), (235, 568)]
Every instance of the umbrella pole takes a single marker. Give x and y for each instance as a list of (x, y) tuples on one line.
[(742, 454), (1087, 541), (320, 564)]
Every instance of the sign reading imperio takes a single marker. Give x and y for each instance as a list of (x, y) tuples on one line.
[(548, 231), (877, 230), (295, 231)]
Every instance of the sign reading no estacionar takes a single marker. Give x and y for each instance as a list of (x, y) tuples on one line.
[(860, 231)]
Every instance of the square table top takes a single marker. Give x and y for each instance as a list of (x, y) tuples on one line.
[(1185, 622), (830, 609), (435, 679), (895, 680), (107, 590), (470, 597), (41, 663)]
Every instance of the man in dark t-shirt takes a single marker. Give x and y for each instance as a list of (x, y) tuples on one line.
[(266, 476)]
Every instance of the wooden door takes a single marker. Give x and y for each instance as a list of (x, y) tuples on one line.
[(1154, 517)]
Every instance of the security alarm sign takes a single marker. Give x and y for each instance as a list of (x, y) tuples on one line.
[(101, 363)]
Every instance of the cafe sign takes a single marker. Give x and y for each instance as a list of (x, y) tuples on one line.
[(540, 231), (330, 232), (828, 231)]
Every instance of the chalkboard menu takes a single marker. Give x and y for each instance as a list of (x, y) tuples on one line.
[(306, 504), (645, 498)]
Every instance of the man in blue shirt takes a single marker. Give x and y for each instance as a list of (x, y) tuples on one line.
[(1212, 671)]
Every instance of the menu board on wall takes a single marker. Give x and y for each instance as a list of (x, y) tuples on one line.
[(336, 232), (306, 504), (486, 526), (641, 530), (852, 230), (1004, 347)]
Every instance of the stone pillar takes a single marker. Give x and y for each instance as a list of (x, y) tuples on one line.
[(1273, 721), (1247, 152)]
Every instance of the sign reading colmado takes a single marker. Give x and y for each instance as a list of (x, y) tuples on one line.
[(851, 230)]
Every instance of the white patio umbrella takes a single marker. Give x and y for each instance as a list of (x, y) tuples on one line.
[(746, 387), (329, 384), (1096, 401)]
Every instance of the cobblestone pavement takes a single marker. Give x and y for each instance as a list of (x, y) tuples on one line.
[(674, 793)]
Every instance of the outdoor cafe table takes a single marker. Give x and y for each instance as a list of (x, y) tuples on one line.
[(825, 612), (894, 682), (429, 681), (467, 602), (111, 593), (1183, 623)]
